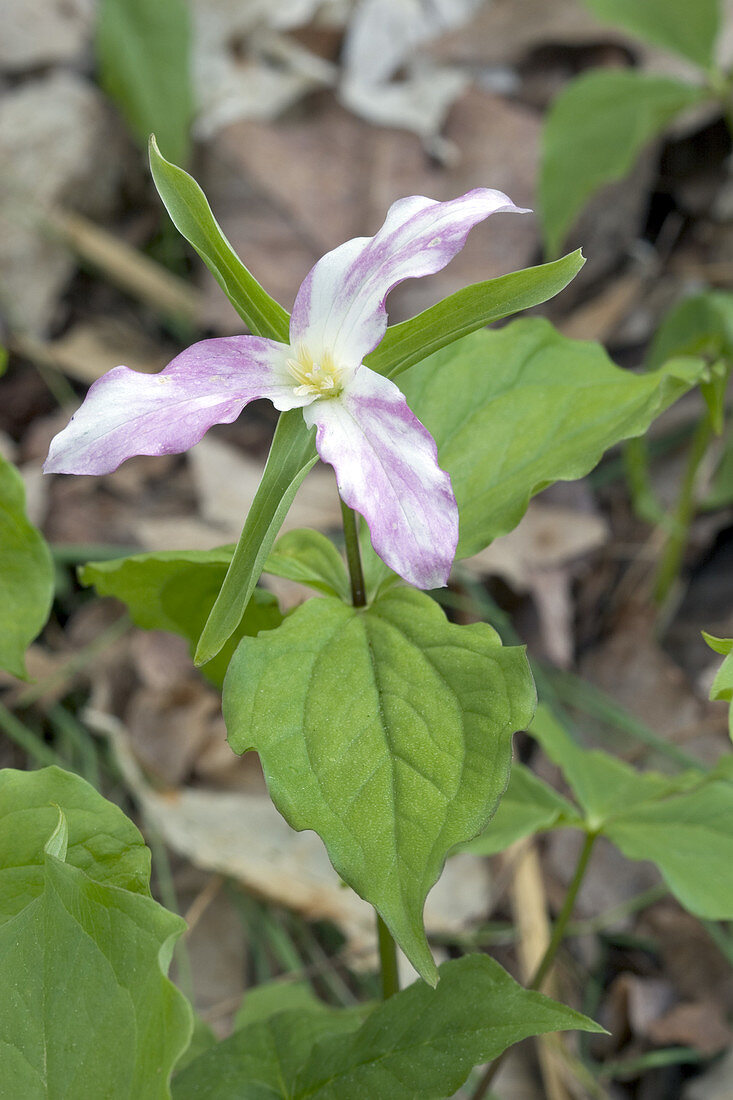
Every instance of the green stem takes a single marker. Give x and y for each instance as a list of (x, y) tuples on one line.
[(673, 553), (549, 956), (558, 932), (388, 960), (353, 557)]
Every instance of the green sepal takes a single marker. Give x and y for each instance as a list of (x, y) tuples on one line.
[(471, 308), (191, 214)]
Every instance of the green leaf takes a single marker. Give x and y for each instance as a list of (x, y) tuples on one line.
[(690, 838), (603, 785), (262, 1060), (308, 557), (722, 685), (529, 806), (419, 1045), (85, 1007), (292, 455), (387, 730), (422, 1043), (175, 590), (470, 308), (191, 214), (701, 325), (689, 29), (57, 844), (144, 66), (515, 410), (26, 574), (594, 132), (266, 999), (682, 823), (101, 841)]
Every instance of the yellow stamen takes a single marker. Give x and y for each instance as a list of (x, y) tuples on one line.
[(317, 379)]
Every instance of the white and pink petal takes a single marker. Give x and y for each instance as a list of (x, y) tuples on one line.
[(128, 413), (340, 307), (386, 466)]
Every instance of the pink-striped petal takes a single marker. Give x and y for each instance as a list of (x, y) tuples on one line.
[(387, 469), (127, 413), (340, 307)]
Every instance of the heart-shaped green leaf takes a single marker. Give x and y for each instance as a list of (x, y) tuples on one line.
[(388, 731), (85, 1007)]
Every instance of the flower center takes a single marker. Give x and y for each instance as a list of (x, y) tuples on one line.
[(316, 378)]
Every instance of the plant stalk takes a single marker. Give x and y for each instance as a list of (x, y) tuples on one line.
[(549, 956), (674, 549), (353, 557), (388, 960)]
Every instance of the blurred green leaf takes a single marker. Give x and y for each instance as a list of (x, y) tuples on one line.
[(689, 29), (515, 410), (595, 130), (144, 52), (722, 686), (26, 574), (175, 591), (85, 1007), (699, 325), (387, 730)]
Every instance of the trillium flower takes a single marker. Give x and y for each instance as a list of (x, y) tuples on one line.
[(385, 461)]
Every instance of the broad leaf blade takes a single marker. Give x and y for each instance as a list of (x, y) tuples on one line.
[(514, 410), (144, 61), (308, 557), (528, 806), (689, 29), (292, 455), (423, 1042), (682, 823), (26, 574), (699, 325), (387, 730), (419, 1045), (85, 1007), (175, 591), (101, 841), (690, 838), (264, 1058), (470, 308), (594, 132), (191, 214)]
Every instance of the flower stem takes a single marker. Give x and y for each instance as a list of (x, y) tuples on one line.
[(674, 550), (353, 557), (388, 960), (549, 956)]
